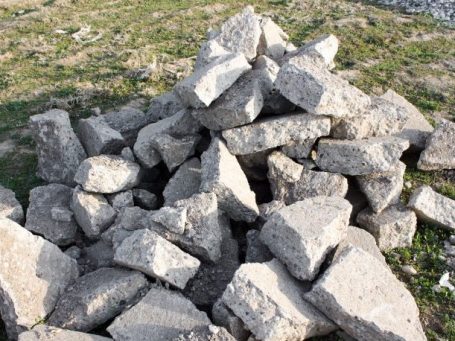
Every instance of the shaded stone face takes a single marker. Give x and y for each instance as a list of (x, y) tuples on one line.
[(9, 206)]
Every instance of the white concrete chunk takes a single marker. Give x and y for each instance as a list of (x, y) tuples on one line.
[(439, 151)]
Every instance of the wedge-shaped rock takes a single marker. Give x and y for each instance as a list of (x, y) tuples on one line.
[(274, 132), (222, 175), (161, 315), (98, 137), (174, 219), (95, 256), (146, 251), (270, 303), (393, 227), (49, 214), (179, 124), (433, 207), (360, 157), (163, 106), (127, 154), (439, 151), (43, 332), (185, 182), (58, 148), (306, 82), (383, 189), (128, 121), (241, 33), (97, 297), (361, 239), (299, 149), (273, 39), (238, 105), (224, 317), (381, 118), (175, 150), (206, 84), (302, 234), (211, 332), (381, 308), (107, 174), (92, 212), (291, 182), (417, 128), (256, 250), (33, 275), (121, 199), (209, 51), (9, 206)]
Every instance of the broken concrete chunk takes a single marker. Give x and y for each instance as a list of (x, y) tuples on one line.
[(270, 303), (360, 157), (256, 250), (273, 40), (127, 154), (96, 256), (307, 83), (417, 128), (206, 333), (163, 106), (381, 308), (33, 275), (174, 219), (362, 240), (42, 214), (307, 231), (97, 297), (107, 174), (393, 227), (145, 199), (299, 149), (128, 121), (58, 148), (146, 251), (439, 151), (224, 317), (222, 175), (42, 332), (383, 189), (121, 199), (291, 182), (241, 33), (274, 132), (267, 209), (9, 206), (184, 183), (98, 137), (92, 212), (161, 315), (206, 84), (381, 118), (433, 207), (175, 150), (209, 51)]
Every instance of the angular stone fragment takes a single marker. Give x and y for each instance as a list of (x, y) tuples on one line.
[(163, 106), (121, 199), (381, 308), (58, 148), (291, 182), (209, 51), (360, 157), (128, 121), (381, 118), (273, 39), (107, 174), (306, 231), (439, 151), (222, 175), (43, 218), (417, 128), (145, 199), (326, 46), (185, 182), (270, 303), (360, 239), (307, 83), (161, 315), (174, 219), (96, 256), (224, 317), (433, 207), (127, 154), (33, 275), (393, 227), (267, 209), (9, 206), (178, 125), (256, 250), (274, 132), (241, 33), (43, 332), (206, 333), (97, 297), (175, 150), (206, 84), (146, 251), (383, 189), (92, 212), (299, 149), (98, 137)]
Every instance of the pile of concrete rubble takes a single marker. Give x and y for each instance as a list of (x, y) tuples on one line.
[(228, 210)]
